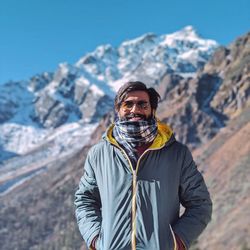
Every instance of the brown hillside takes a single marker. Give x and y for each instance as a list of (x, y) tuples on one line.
[(227, 171)]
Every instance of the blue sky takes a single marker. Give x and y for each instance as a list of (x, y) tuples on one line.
[(36, 35)]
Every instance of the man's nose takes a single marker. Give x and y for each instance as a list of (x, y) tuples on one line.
[(135, 108)]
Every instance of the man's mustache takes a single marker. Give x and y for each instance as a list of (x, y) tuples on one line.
[(135, 115)]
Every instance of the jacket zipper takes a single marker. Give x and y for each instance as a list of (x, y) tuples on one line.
[(133, 235), (134, 197), (134, 173), (133, 231)]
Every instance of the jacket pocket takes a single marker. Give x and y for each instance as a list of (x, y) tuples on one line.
[(174, 239)]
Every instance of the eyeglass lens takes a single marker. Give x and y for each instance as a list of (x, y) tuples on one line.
[(140, 104)]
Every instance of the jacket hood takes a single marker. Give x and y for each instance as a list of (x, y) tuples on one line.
[(164, 135)]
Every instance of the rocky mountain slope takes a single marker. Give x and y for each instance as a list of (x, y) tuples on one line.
[(84, 92), (225, 161), (209, 108)]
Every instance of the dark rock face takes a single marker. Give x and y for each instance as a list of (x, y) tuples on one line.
[(189, 115), (51, 113), (104, 104), (208, 85), (7, 110), (67, 100), (43, 107), (38, 82), (232, 65), (14, 98), (93, 106)]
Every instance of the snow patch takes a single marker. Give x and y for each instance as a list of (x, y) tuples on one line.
[(96, 90), (38, 146), (82, 81), (20, 139)]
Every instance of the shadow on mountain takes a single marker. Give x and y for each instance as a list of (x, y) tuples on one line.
[(5, 155), (10, 184)]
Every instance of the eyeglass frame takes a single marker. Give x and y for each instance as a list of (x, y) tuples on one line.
[(139, 105)]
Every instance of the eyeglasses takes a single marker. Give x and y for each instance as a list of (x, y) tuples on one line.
[(128, 105)]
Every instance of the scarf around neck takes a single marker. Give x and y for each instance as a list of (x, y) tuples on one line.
[(133, 134)]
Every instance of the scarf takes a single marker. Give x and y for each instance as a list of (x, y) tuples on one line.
[(133, 134)]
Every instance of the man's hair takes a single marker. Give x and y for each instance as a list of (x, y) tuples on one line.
[(154, 96)]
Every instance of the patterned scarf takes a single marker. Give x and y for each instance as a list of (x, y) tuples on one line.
[(133, 134)]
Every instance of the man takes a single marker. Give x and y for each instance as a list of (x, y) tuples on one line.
[(135, 179)]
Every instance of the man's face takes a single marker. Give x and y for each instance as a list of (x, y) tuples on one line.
[(136, 106)]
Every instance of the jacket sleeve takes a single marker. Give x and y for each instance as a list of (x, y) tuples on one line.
[(195, 198), (88, 204)]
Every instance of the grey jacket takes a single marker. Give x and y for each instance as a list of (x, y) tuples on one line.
[(139, 209)]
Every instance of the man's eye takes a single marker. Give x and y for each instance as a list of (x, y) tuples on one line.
[(129, 104), (143, 104)]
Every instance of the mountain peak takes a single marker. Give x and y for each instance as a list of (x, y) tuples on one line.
[(148, 37), (187, 35), (188, 31)]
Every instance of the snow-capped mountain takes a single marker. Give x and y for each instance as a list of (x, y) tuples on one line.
[(82, 93), (149, 57)]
